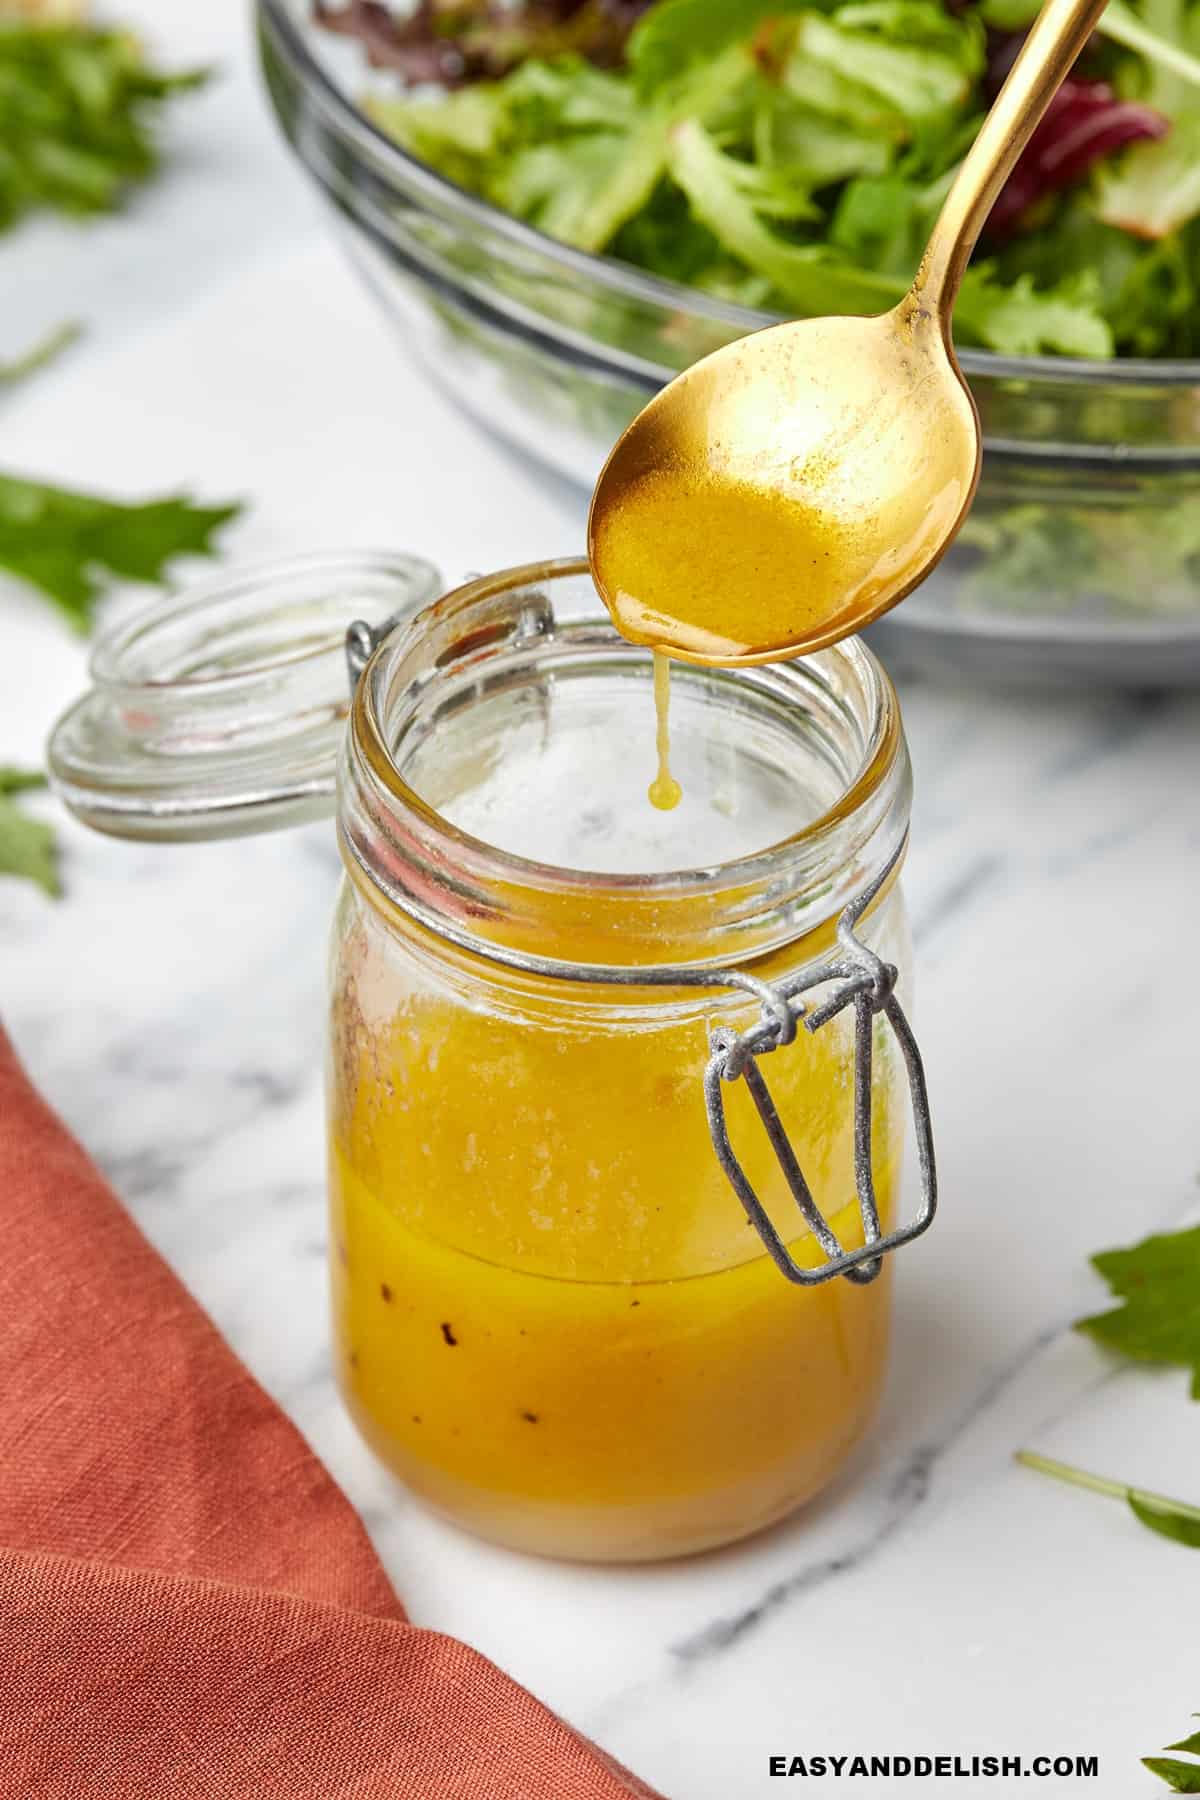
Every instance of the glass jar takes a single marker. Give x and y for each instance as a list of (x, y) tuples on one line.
[(553, 1319)]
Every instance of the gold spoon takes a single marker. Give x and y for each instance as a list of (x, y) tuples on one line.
[(788, 489)]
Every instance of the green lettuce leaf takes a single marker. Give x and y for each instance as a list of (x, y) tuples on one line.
[(1020, 319), (916, 59), (566, 147), (810, 147), (724, 194), (1154, 188), (584, 190), (676, 34)]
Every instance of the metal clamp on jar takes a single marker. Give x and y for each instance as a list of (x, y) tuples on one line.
[(549, 1007)]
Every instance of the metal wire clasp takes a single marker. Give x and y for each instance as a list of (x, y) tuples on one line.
[(868, 984), (362, 641)]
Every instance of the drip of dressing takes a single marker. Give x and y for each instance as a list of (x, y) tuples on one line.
[(665, 792)]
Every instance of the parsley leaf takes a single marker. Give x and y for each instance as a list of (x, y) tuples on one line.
[(77, 103), (1180, 1777), (63, 541), (1158, 1282), (27, 846)]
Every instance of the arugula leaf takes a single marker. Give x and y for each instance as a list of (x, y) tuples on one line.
[(1173, 1519), (27, 846), (1180, 1777), (77, 104), (1158, 1282), (63, 541), (40, 354), (1169, 1518)]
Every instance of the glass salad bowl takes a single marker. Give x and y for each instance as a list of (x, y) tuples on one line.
[(1081, 557)]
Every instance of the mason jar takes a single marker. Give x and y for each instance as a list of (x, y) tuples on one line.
[(592, 1296)]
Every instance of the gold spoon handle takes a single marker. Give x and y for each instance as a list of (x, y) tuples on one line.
[(1058, 34)]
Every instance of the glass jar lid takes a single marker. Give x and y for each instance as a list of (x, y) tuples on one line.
[(220, 711)]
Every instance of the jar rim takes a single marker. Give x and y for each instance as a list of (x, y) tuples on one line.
[(414, 857)]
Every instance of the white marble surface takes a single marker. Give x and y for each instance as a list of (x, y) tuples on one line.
[(940, 1599)]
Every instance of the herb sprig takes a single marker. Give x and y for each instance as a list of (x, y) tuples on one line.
[(1157, 1282), (79, 105), (65, 542), (1174, 1519), (1180, 1777), (1158, 1285)]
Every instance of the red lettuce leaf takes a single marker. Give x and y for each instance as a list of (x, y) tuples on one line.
[(1084, 123)]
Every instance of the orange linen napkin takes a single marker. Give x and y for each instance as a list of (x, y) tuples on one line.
[(189, 1606)]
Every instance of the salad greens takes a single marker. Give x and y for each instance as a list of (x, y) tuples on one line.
[(793, 156), (77, 103)]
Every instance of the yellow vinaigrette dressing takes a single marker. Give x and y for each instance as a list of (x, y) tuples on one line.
[(719, 575), (553, 1318)]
